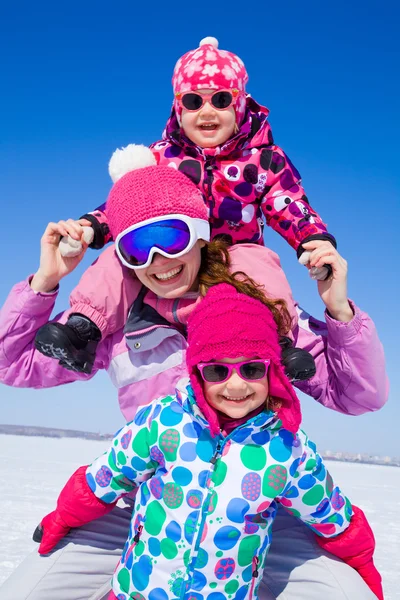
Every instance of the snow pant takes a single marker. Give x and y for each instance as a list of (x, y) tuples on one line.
[(82, 565)]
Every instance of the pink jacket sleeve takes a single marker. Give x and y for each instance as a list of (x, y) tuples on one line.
[(285, 205), (351, 375), (21, 365)]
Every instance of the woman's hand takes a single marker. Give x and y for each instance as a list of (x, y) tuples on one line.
[(53, 267), (333, 291)]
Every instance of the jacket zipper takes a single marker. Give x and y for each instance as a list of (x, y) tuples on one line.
[(213, 460), (138, 533), (217, 454), (208, 168), (254, 575)]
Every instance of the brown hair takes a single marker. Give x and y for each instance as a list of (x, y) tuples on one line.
[(215, 268)]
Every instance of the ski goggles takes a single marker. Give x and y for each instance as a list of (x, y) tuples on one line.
[(220, 100), (249, 370), (170, 235)]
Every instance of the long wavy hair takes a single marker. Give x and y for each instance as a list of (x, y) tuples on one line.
[(215, 268)]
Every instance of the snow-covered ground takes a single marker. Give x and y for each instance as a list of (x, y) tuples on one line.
[(33, 470)]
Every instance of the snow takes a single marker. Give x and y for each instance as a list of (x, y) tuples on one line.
[(34, 469)]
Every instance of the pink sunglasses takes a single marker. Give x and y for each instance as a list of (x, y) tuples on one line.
[(220, 100), (249, 370)]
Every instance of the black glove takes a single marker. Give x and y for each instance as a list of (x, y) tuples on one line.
[(299, 365)]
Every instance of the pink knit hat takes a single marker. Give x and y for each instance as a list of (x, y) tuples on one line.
[(143, 190), (228, 324), (207, 67)]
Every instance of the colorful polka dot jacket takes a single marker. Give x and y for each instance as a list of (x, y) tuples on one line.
[(201, 526)]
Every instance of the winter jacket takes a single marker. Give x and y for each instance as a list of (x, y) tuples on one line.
[(246, 179), (204, 510), (148, 359)]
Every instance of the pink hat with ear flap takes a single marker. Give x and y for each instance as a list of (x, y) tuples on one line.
[(208, 68), (228, 324)]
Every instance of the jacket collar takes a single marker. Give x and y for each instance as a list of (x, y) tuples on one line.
[(266, 420)]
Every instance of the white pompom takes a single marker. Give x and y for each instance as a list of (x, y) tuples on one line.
[(130, 158), (69, 247), (305, 257), (317, 273), (209, 40)]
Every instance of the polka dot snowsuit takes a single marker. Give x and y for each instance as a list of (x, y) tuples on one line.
[(247, 179), (201, 526)]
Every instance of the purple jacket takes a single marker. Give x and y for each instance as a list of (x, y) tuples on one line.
[(146, 360)]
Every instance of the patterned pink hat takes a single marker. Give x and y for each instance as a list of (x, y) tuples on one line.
[(207, 67), (228, 324), (143, 190)]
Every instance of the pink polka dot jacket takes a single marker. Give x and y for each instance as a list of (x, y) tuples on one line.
[(201, 526), (243, 182)]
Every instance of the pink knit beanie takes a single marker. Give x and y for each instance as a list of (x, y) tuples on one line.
[(144, 190), (207, 67), (228, 324)]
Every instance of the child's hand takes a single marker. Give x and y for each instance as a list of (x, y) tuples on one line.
[(333, 291), (53, 266)]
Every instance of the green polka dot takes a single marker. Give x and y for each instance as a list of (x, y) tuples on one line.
[(219, 554), (140, 443), (111, 462), (329, 484), (348, 511), (247, 549), (186, 558), (155, 518), (253, 457), (168, 548), (153, 433), (115, 442), (219, 473), (124, 579), (121, 458), (139, 548), (274, 480), (231, 587), (310, 464), (173, 495), (314, 495), (213, 585), (202, 559), (169, 444), (119, 482)]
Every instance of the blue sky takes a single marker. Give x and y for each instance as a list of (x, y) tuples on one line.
[(81, 79)]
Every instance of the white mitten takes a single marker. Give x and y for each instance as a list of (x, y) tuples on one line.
[(70, 247), (318, 273)]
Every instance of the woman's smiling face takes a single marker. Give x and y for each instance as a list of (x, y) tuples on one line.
[(173, 277)]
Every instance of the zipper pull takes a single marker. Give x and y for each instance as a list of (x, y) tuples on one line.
[(255, 564), (213, 459), (138, 534)]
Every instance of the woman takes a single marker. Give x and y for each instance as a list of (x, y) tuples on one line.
[(146, 360)]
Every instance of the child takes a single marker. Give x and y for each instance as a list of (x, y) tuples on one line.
[(211, 463), (221, 139)]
